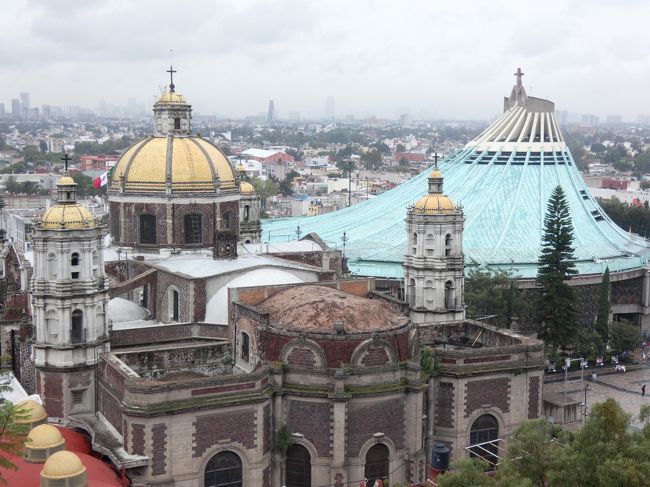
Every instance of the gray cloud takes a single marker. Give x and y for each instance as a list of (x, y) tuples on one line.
[(447, 59)]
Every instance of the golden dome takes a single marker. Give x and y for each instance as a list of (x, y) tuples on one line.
[(44, 436), (241, 167), (171, 97), (68, 217), (246, 188), (66, 181), (435, 173), (184, 164), (31, 412), (434, 203), (61, 465)]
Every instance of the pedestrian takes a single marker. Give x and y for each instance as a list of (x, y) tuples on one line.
[(643, 390)]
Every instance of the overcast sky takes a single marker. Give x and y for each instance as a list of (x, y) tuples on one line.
[(433, 58)]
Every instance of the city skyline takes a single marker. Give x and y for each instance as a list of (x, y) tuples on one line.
[(438, 61)]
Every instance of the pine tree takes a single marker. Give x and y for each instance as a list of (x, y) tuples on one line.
[(602, 319), (557, 311)]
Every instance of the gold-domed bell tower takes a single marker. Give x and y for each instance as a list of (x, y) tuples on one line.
[(433, 262), (250, 205), (172, 114), (69, 298)]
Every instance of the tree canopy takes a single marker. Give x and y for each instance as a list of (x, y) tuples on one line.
[(605, 452), (557, 302)]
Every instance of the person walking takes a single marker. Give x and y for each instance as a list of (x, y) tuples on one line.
[(643, 390)]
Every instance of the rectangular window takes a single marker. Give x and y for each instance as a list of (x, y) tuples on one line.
[(78, 397), (192, 228), (177, 123), (147, 229)]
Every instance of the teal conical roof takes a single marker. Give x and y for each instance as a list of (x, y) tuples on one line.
[(502, 180)]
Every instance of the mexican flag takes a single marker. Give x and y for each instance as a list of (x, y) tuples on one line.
[(101, 180)]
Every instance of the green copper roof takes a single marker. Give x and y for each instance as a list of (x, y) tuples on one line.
[(503, 183)]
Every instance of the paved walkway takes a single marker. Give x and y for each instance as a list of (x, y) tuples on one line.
[(624, 387)]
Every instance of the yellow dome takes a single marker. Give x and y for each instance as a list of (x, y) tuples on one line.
[(66, 181), (434, 203), (171, 97), (61, 465), (31, 412), (68, 216), (44, 436), (246, 188), (435, 173), (241, 167), (193, 163)]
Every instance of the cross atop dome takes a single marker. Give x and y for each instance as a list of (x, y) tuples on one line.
[(519, 74), (171, 72)]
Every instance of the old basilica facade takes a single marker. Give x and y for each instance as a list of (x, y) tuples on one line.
[(194, 355)]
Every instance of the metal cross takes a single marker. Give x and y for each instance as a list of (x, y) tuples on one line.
[(519, 74), (435, 158), (66, 158), (171, 72)]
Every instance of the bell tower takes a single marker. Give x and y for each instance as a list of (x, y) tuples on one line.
[(69, 298), (172, 115), (433, 262)]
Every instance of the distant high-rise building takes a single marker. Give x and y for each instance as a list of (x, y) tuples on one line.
[(270, 114), (24, 106), (46, 112), (614, 119), (589, 120), (24, 100), (15, 107), (562, 117), (329, 107)]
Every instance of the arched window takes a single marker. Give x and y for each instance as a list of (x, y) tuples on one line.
[(245, 346), (430, 243), (51, 322), (115, 225), (247, 212), (411, 293), (177, 123), (193, 228), (74, 259), (298, 466), (376, 464), (147, 229), (450, 298), (414, 239), (428, 292), (51, 267), (77, 327), (173, 304), (484, 432), (227, 220), (448, 244), (223, 470)]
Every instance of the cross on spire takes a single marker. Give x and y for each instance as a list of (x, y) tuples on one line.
[(171, 72), (519, 74), (435, 158), (66, 158)]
